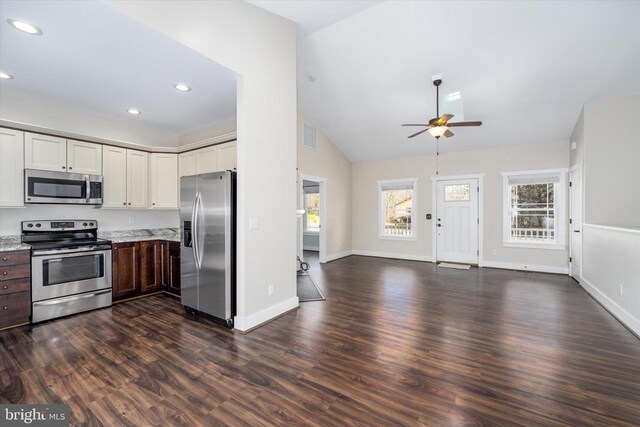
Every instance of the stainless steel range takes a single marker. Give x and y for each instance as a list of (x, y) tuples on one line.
[(70, 267)]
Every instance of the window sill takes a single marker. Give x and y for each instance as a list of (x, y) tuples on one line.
[(531, 245), (405, 238)]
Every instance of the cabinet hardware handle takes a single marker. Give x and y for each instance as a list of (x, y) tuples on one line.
[(70, 168), (63, 167), (129, 203), (124, 203), (5, 307), (153, 204), (4, 273), (5, 287), (4, 258)]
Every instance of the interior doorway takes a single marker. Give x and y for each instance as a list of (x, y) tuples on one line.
[(457, 225), (312, 223), (575, 222)]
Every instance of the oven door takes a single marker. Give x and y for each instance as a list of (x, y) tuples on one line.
[(64, 274), (55, 187)]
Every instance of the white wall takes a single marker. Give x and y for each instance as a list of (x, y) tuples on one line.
[(611, 258), (52, 114), (329, 162), (610, 154), (108, 219), (612, 158), (491, 162), (261, 48)]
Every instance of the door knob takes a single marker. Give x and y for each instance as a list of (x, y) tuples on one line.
[(576, 231)]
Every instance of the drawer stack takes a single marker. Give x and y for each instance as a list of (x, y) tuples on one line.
[(15, 288)]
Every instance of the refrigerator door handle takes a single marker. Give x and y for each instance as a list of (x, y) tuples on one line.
[(194, 234)]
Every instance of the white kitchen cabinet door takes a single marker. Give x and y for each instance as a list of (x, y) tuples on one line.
[(45, 152), (84, 157), (137, 179), (114, 184), (207, 159), (188, 164), (163, 179), (11, 168), (227, 157)]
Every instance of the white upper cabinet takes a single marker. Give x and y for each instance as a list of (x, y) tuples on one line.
[(163, 180), (188, 164), (227, 156), (84, 157), (207, 159), (137, 179), (114, 167), (45, 152), (11, 168)]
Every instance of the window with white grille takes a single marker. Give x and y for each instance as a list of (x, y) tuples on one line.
[(534, 208)]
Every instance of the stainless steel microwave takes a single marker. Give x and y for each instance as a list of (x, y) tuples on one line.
[(62, 188)]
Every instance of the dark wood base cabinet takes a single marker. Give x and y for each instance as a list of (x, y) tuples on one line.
[(145, 267), (15, 288)]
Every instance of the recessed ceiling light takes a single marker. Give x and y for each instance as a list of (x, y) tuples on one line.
[(182, 87), (25, 27), (134, 111), (5, 76)]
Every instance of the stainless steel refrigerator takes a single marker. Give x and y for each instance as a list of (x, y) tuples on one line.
[(208, 249)]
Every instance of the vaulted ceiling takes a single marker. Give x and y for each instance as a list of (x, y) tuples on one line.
[(524, 68)]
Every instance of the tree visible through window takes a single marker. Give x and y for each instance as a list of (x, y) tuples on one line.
[(535, 208), (533, 212), (312, 206), (397, 201)]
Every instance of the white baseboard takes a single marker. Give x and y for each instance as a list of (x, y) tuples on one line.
[(246, 323), (620, 313), (339, 255), (310, 248), (408, 257), (526, 267)]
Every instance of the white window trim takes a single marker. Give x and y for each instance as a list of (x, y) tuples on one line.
[(414, 210), (560, 204)]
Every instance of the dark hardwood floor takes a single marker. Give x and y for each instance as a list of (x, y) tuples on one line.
[(396, 343)]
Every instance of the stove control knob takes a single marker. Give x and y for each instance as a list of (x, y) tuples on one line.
[(84, 224), (38, 225), (30, 225)]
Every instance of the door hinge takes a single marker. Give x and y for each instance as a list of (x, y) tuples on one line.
[(478, 252), (478, 220), (570, 221), (570, 183), (478, 188), (570, 259)]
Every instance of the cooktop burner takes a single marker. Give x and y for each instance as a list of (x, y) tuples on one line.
[(62, 234)]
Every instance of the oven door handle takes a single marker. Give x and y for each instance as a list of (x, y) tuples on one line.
[(70, 251), (72, 298)]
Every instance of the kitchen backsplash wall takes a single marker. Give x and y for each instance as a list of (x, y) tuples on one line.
[(108, 219)]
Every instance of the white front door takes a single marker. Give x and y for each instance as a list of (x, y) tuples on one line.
[(457, 221), (575, 225)]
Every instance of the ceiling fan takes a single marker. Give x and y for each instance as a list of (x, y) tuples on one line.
[(439, 126)]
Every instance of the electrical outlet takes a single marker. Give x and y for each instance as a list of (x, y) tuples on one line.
[(620, 289), (272, 290), (254, 223)]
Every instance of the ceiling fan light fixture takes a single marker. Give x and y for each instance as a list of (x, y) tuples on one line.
[(437, 131)]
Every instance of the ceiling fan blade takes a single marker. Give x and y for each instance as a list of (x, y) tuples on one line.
[(414, 124), (418, 133), (435, 119), (444, 119), (448, 133), (464, 124)]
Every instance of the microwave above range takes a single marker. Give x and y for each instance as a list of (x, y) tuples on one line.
[(47, 187)]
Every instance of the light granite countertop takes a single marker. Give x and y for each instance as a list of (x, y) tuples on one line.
[(127, 236), (12, 243)]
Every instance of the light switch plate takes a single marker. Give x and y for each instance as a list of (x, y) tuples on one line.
[(254, 223)]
